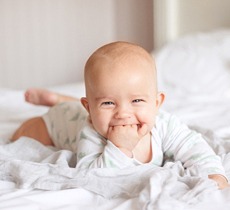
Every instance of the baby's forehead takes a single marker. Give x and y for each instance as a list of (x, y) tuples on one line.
[(113, 58), (124, 67)]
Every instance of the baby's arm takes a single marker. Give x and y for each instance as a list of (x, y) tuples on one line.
[(193, 151)]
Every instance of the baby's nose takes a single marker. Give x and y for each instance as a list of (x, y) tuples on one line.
[(123, 112)]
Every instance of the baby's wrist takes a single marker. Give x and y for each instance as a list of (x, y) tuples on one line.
[(127, 152)]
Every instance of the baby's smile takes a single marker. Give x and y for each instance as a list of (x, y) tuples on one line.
[(124, 124)]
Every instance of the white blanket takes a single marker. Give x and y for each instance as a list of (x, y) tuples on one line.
[(31, 165)]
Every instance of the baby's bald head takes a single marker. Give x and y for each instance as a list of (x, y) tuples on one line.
[(114, 58)]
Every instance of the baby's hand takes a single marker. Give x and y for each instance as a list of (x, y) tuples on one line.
[(126, 137), (220, 180)]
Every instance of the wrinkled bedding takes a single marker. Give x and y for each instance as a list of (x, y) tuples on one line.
[(35, 166)]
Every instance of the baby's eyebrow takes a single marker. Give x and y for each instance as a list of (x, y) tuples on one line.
[(103, 98), (140, 96)]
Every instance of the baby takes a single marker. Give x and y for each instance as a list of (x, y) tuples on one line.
[(123, 126)]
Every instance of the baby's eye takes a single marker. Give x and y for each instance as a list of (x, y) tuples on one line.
[(137, 100), (107, 103)]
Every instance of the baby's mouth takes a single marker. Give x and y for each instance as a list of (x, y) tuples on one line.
[(125, 124)]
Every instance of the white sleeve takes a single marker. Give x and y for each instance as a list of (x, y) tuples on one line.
[(185, 145), (94, 151)]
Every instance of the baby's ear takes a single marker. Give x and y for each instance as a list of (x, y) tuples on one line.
[(160, 99), (85, 103)]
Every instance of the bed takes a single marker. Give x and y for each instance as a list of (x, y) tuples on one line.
[(194, 72), (37, 177)]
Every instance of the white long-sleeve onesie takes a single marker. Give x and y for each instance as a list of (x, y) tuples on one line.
[(69, 128)]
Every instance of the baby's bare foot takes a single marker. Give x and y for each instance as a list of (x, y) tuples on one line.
[(41, 97)]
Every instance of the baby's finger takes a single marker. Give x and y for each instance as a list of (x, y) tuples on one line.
[(143, 130)]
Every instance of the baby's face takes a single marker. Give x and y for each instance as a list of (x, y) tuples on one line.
[(122, 94)]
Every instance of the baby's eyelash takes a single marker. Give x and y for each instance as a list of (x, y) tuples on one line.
[(107, 103), (137, 100)]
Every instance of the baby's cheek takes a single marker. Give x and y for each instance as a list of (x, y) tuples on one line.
[(103, 130), (99, 125), (149, 121)]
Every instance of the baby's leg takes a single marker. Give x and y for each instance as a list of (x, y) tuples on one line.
[(46, 97), (34, 128)]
